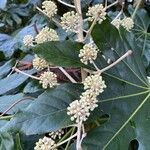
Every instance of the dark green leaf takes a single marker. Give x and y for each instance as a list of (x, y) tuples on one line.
[(6, 141), (8, 100), (142, 24), (4, 69), (63, 53), (13, 81), (47, 112), (32, 87)]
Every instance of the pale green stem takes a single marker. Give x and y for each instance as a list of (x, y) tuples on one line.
[(19, 71), (136, 8), (67, 74), (68, 143), (6, 117)]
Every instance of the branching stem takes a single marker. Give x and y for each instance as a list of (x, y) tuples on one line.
[(129, 52), (71, 137), (66, 4), (78, 143), (67, 74), (53, 19), (80, 27), (95, 20), (26, 74)]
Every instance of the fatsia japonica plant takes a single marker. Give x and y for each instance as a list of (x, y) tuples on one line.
[(104, 102)]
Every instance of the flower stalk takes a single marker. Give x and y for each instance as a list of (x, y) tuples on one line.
[(26, 74), (66, 4)]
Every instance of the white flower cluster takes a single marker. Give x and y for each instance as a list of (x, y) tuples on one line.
[(46, 34), (127, 23), (94, 83), (39, 63), (28, 40), (116, 23), (70, 21), (88, 99), (48, 79), (88, 53), (79, 110), (56, 134), (45, 144), (97, 12), (49, 8)]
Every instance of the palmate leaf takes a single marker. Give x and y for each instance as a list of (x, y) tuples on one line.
[(142, 24), (127, 97)]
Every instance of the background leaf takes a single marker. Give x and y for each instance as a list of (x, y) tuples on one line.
[(3, 4), (8, 84), (47, 112)]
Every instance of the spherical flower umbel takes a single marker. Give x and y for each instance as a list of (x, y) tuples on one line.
[(94, 83), (116, 23), (56, 134), (127, 23), (48, 79), (45, 144), (39, 63), (97, 11), (88, 53), (70, 21), (46, 34), (28, 40), (78, 112), (88, 100), (49, 8)]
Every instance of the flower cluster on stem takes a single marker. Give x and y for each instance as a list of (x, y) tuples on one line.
[(97, 12), (48, 79), (49, 8), (45, 144), (70, 21), (56, 134), (39, 63), (126, 23), (88, 53)]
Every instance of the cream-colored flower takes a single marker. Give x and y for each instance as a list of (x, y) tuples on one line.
[(88, 53), (46, 34), (94, 83), (49, 8), (127, 23), (97, 11), (70, 21), (116, 23), (28, 40), (48, 79), (45, 144), (39, 63), (56, 134), (88, 99), (77, 111)]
